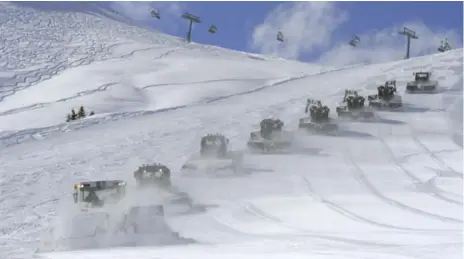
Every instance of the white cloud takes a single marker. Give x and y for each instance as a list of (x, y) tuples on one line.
[(170, 12), (306, 26), (387, 45), (138, 11)]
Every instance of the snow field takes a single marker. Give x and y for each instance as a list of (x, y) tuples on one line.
[(385, 189)]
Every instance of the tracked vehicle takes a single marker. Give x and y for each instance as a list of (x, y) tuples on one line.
[(317, 118), (353, 106), (105, 215), (213, 157), (386, 97), (90, 219), (93, 195), (270, 137), (422, 83), (153, 175)]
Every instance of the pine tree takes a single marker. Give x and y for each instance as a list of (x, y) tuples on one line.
[(81, 114), (73, 115), (91, 113)]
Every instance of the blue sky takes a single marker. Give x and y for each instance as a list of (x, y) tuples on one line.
[(314, 31)]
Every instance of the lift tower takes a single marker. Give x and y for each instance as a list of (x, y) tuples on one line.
[(192, 19), (410, 34)]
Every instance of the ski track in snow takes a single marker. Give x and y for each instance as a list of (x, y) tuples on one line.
[(383, 189)]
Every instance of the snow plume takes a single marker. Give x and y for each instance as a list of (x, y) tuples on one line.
[(308, 28), (140, 12)]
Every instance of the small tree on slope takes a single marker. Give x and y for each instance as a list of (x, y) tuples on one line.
[(81, 114), (73, 115), (68, 118)]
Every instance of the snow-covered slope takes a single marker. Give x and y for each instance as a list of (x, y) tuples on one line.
[(56, 61), (390, 189)]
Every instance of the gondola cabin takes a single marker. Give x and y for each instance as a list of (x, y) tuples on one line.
[(354, 41), (280, 36), (212, 29), (444, 46), (156, 14)]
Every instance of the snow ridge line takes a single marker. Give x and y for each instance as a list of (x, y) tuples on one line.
[(307, 233), (406, 157), (9, 138), (276, 84), (145, 49), (45, 73), (347, 213), (361, 177), (433, 191), (42, 74), (205, 81), (101, 88), (30, 78), (434, 157)]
